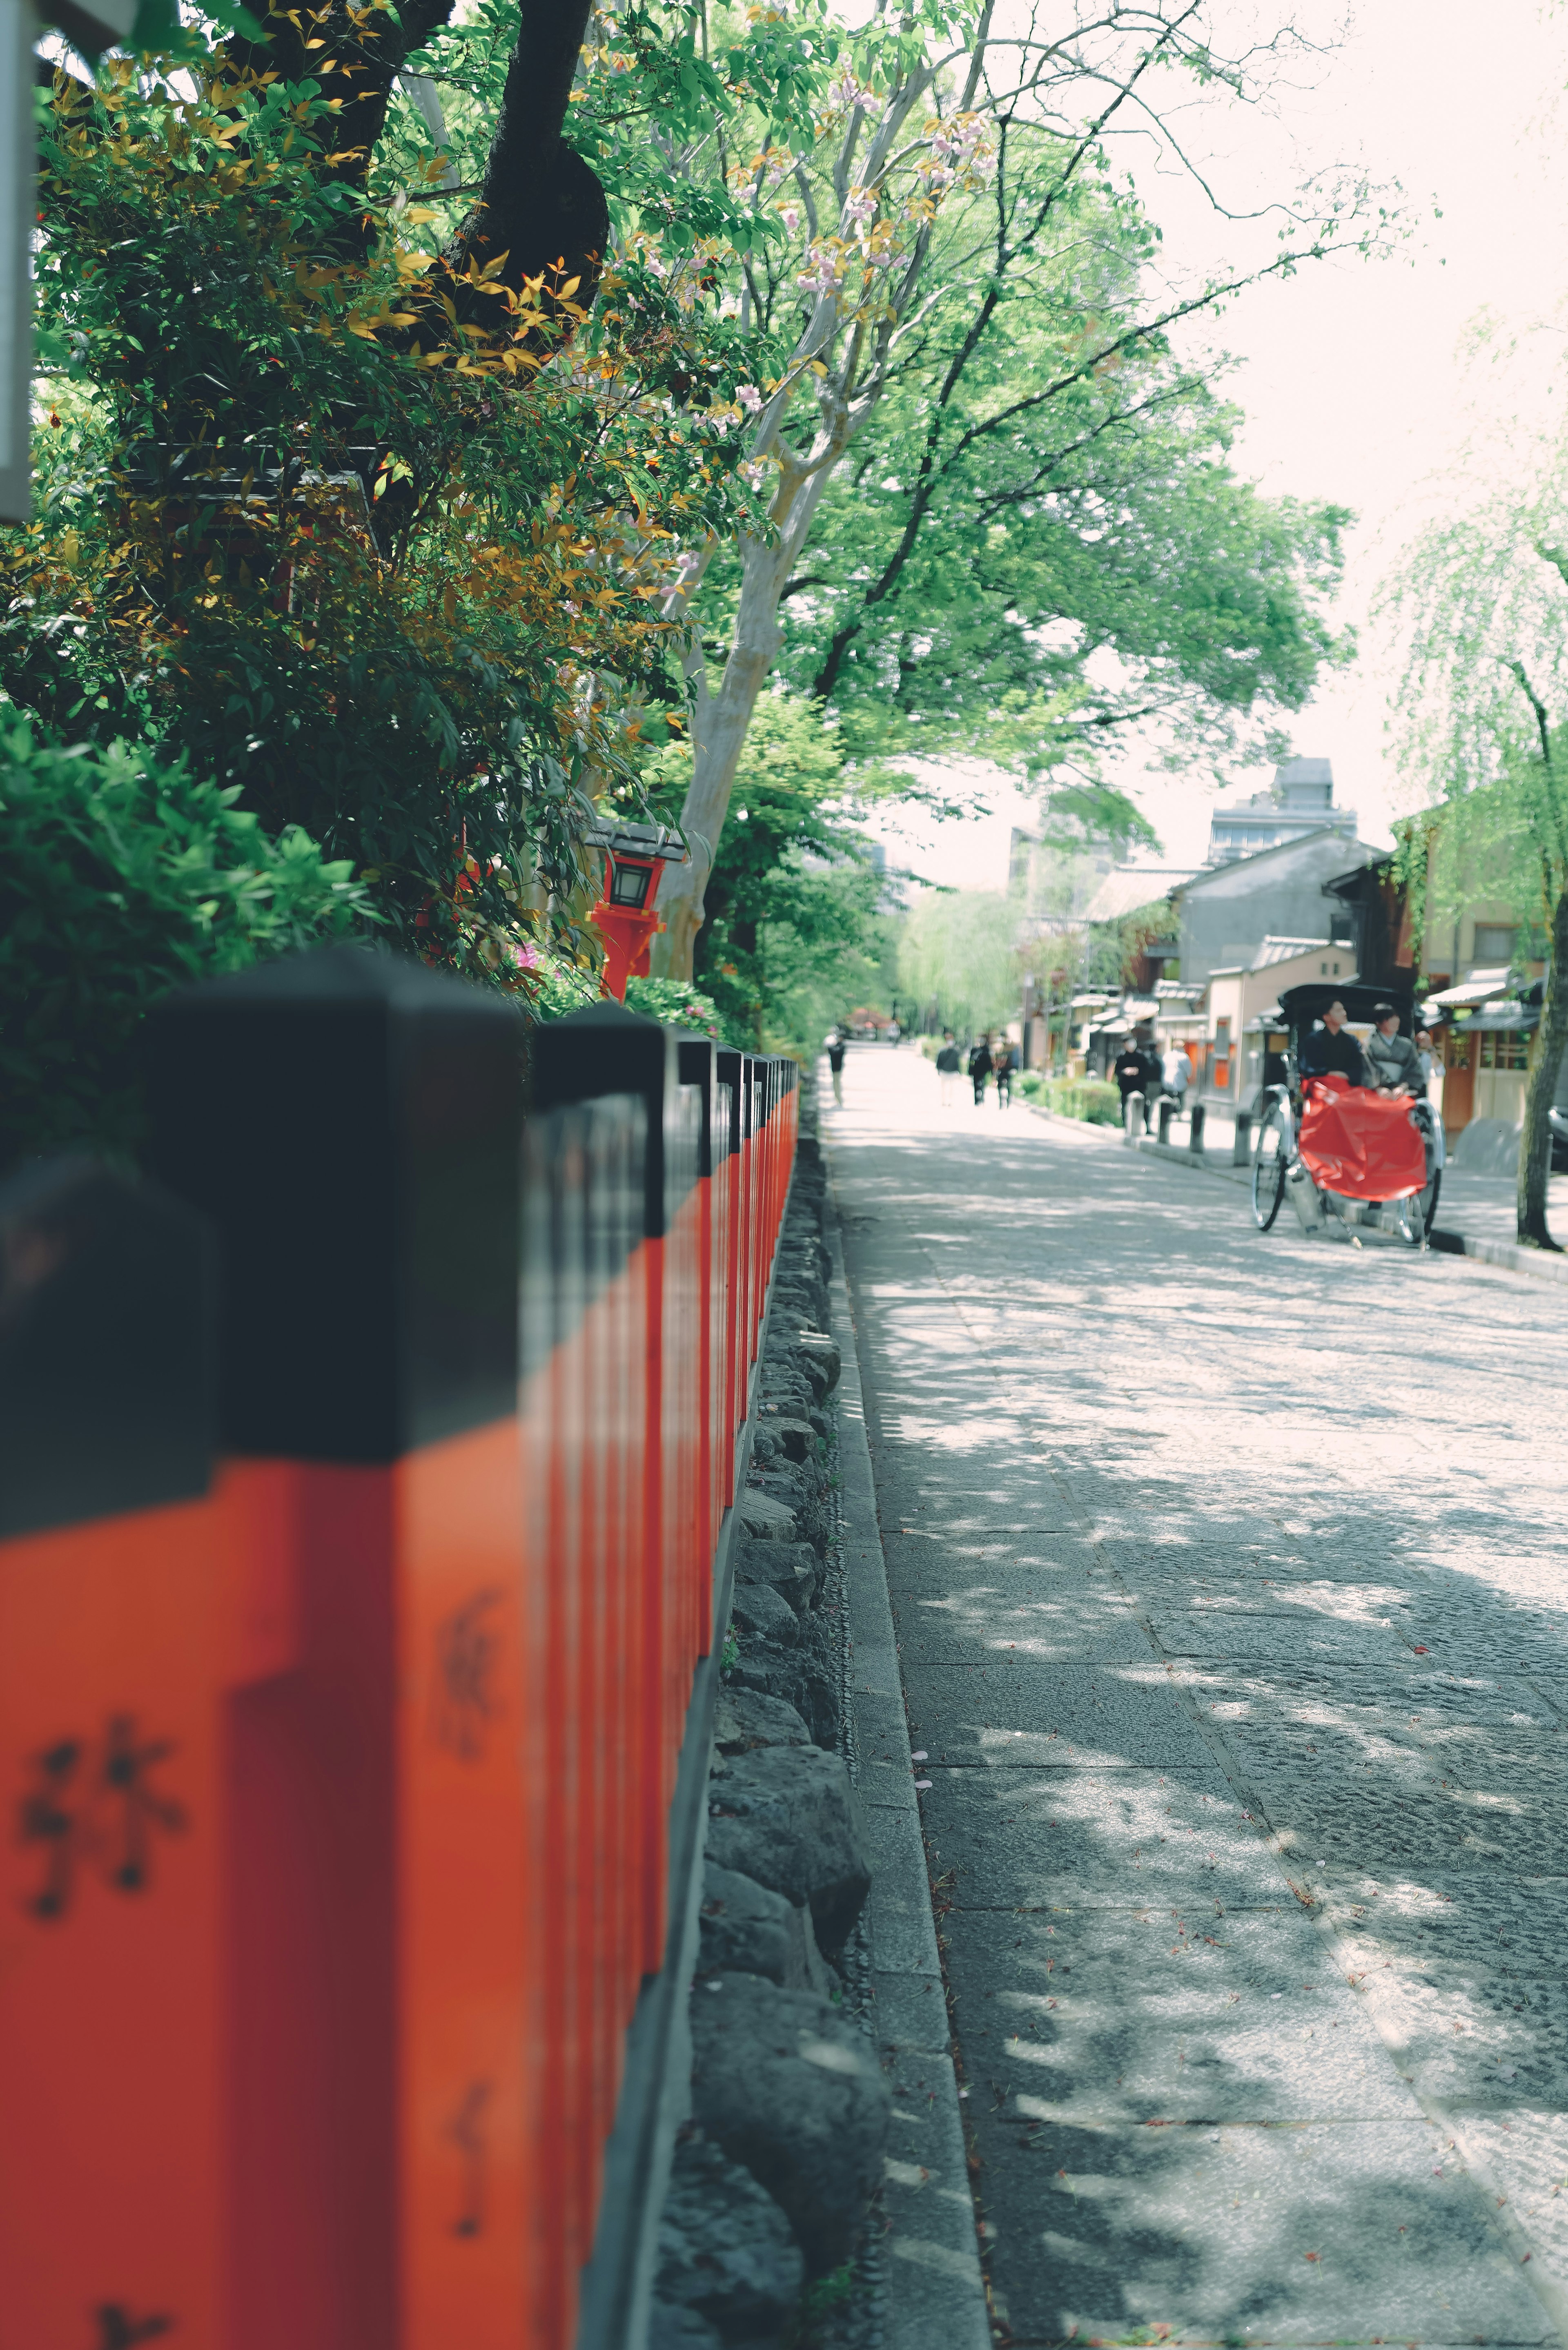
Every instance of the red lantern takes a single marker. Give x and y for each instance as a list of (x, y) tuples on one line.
[(634, 857)]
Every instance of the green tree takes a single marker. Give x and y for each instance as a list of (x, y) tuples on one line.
[(1481, 716), (1008, 522), (887, 260), (958, 950), (795, 932), (331, 510)]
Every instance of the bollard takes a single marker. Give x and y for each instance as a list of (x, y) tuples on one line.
[(1166, 1112), (1195, 1132), (1132, 1120), (1241, 1148)]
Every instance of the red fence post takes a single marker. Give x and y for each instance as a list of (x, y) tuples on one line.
[(351, 1124)]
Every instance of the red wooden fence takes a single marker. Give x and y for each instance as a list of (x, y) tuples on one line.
[(359, 1495)]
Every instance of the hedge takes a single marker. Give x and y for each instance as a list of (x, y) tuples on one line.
[(1090, 1098)]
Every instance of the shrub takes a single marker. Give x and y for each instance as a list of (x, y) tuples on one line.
[(1090, 1098), (122, 877), (678, 1004)]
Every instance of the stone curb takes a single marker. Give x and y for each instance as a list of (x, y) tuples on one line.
[(1199, 1164), (1538, 1263), (936, 2292)]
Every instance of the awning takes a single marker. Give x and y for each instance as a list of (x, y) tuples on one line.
[(1479, 988)]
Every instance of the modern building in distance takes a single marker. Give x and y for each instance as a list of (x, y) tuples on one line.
[(1300, 801)]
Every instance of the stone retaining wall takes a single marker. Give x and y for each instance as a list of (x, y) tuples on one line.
[(775, 2173)]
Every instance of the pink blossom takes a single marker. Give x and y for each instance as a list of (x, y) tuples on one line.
[(750, 397)]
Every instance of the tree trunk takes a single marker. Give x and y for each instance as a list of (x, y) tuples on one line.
[(1535, 1142), (720, 720)]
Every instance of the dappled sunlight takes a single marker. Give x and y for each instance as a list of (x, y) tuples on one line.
[(1231, 1579)]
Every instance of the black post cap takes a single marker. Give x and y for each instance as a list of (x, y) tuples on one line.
[(352, 1123), (694, 1063), (605, 1049), (107, 1296)]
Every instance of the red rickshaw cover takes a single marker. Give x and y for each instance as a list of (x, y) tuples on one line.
[(1363, 1145)]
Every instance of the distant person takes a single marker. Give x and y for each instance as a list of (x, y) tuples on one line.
[(1425, 1053), (1006, 1068), (949, 1067), (894, 1032), (1332, 1047), (1395, 1063), (1176, 1076), (1130, 1070), (980, 1068), (836, 1063)]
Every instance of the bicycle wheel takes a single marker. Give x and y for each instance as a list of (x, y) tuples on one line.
[(1268, 1163), (1429, 1198)]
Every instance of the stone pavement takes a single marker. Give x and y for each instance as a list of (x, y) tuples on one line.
[(1230, 1580)]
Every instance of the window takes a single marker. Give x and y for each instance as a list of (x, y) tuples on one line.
[(1504, 1049), (1494, 942)]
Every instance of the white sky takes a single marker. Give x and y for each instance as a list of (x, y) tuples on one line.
[(1358, 379)]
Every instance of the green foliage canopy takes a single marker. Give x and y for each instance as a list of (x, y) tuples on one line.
[(958, 950), (1033, 556), (328, 508)]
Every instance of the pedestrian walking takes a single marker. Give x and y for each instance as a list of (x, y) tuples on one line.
[(949, 1067), (1007, 1067), (1176, 1075), (836, 1063), (1130, 1070), (979, 1068)]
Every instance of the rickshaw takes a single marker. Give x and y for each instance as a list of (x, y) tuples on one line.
[(1345, 1154)]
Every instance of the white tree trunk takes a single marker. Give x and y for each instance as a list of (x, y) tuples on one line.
[(720, 720)]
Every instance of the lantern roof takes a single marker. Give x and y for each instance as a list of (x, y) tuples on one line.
[(637, 840)]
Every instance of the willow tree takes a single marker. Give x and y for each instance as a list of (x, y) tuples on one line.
[(1482, 718), (899, 223)]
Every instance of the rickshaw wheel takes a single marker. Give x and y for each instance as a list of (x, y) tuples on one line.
[(1405, 1223), (1269, 1169)]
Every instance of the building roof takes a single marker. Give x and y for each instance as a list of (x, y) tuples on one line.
[(1476, 987), (1211, 875), (1127, 887), (1274, 950)]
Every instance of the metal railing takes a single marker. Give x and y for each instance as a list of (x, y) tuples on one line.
[(361, 1485)]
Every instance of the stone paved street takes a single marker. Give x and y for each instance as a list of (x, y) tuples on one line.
[(1230, 1577)]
